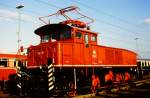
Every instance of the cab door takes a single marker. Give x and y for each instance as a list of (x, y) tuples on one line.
[(78, 48), (87, 51)]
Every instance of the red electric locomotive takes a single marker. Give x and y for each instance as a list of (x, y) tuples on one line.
[(71, 58)]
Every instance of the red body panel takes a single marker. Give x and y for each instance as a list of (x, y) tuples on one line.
[(69, 54), (38, 55), (5, 72), (78, 54)]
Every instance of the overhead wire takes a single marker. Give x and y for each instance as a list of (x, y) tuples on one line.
[(105, 13), (52, 5), (57, 7), (108, 23), (116, 26), (48, 4)]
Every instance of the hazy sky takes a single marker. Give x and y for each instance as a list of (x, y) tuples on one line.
[(118, 22)]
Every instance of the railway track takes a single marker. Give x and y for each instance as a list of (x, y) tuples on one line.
[(138, 89), (133, 89)]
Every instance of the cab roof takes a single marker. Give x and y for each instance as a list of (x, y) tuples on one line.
[(46, 29)]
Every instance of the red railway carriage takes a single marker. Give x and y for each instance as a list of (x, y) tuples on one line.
[(8, 69), (69, 56), (8, 65)]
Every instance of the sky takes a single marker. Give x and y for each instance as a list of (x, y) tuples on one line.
[(118, 22)]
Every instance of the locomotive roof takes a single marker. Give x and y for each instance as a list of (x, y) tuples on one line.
[(46, 29)]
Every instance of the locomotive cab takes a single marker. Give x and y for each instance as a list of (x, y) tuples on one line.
[(54, 32), (64, 32)]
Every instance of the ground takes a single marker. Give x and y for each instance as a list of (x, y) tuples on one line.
[(137, 90)]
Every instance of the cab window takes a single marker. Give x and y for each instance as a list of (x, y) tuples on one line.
[(93, 38), (45, 38), (56, 36), (86, 40), (78, 35), (65, 35)]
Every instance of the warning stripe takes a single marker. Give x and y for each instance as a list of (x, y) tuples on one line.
[(50, 84), (19, 75), (50, 88), (50, 66), (50, 75), (50, 70), (50, 78), (18, 85)]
